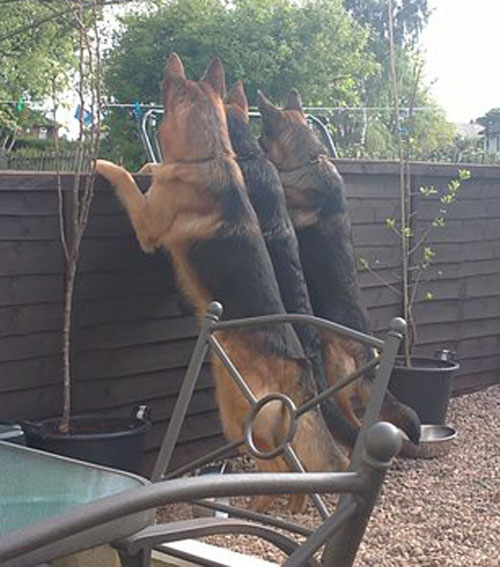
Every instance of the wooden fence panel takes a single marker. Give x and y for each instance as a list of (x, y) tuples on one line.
[(134, 332)]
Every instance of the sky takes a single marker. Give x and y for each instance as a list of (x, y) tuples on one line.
[(462, 50)]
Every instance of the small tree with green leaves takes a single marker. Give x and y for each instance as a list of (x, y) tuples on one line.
[(417, 255)]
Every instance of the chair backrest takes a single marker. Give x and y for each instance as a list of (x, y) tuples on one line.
[(148, 123), (206, 340)]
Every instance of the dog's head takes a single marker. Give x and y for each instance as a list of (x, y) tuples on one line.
[(313, 186), (286, 135), (236, 102), (194, 123), (236, 105)]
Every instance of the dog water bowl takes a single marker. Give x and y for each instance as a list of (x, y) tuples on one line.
[(435, 441)]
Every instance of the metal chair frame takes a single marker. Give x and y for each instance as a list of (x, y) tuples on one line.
[(349, 510), (147, 125), (341, 530)]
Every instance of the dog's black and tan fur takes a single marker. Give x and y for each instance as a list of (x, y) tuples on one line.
[(198, 210), (317, 205), (267, 197)]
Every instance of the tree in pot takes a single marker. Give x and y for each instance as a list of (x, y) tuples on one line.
[(107, 440), (424, 384)]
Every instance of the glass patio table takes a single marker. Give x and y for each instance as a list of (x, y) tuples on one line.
[(35, 486)]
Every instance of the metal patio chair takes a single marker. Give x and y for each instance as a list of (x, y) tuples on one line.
[(148, 122), (341, 529)]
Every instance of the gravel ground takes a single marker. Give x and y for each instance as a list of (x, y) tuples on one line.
[(443, 512)]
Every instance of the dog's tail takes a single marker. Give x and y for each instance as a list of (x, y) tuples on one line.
[(402, 416), (393, 410)]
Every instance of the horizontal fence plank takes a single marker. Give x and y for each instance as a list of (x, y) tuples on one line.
[(463, 209), (104, 337), (203, 400), (451, 310), (136, 359), (140, 388), (27, 204), (184, 453), (16, 228), (194, 428), (439, 332), (34, 403), (30, 289), (465, 287), (464, 230), (472, 382), (37, 257), (464, 268), (30, 319), (160, 305)]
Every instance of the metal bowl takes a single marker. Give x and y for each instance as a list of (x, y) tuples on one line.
[(435, 441)]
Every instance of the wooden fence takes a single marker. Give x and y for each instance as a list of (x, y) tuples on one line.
[(42, 160), (134, 333)]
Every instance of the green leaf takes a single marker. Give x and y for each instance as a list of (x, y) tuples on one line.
[(390, 223)]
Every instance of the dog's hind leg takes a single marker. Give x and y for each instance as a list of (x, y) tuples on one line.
[(263, 502), (339, 364)]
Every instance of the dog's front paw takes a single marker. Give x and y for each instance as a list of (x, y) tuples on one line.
[(104, 167), (116, 175)]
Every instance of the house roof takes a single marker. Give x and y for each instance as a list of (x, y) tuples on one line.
[(494, 128), (469, 129)]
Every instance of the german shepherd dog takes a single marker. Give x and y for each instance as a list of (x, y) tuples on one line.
[(198, 210), (267, 197), (317, 205)]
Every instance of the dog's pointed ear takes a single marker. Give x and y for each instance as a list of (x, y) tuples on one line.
[(174, 80), (237, 96), (294, 101), (174, 69), (267, 108), (214, 76)]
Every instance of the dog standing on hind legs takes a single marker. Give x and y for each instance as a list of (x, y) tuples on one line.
[(267, 197), (316, 201), (198, 210)]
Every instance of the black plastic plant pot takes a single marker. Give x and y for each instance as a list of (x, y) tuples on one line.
[(115, 442), (425, 386)]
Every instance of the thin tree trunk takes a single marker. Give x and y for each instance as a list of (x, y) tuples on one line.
[(70, 275), (402, 182)]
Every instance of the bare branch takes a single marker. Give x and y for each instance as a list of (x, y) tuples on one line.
[(55, 16), (377, 276), (60, 200)]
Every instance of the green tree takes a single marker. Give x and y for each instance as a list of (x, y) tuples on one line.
[(36, 58), (269, 44), (410, 18), (429, 133)]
